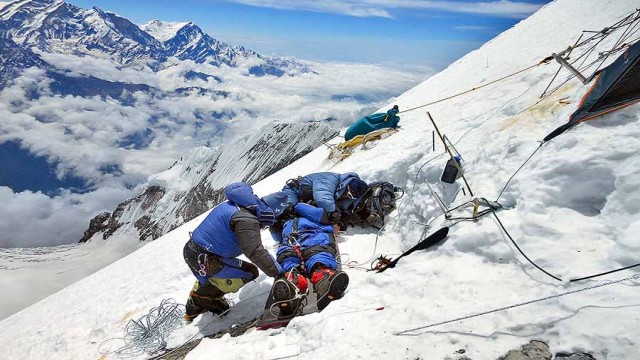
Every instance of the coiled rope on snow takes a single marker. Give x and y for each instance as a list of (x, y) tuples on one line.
[(149, 333)]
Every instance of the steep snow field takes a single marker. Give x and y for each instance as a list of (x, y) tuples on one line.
[(573, 209)]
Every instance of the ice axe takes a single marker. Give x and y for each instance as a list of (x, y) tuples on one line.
[(431, 240)]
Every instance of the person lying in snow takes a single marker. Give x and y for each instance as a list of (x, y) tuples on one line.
[(373, 122), (231, 228), (336, 193), (307, 254)]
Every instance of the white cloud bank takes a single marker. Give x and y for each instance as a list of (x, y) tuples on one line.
[(32, 219), (85, 135), (384, 8)]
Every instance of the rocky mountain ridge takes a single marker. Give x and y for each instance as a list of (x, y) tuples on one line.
[(195, 183)]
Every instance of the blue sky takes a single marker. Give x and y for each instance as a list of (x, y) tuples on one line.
[(404, 33)]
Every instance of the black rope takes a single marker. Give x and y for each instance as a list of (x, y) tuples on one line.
[(608, 30), (541, 269), (620, 41), (521, 166), (604, 273), (560, 67), (514, 242)]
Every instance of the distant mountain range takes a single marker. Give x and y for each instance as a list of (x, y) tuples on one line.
[(55, 26)]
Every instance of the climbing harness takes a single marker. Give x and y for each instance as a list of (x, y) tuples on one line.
[(409, 331), (293, 240), (299, 298)]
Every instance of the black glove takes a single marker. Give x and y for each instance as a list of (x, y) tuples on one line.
[(250, 268), (334, 217)]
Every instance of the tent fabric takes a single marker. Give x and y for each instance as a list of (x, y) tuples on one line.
[(617, 86)]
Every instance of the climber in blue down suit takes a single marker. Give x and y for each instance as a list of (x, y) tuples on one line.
[(232, 228)]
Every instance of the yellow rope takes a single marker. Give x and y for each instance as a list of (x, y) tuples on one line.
[(544, 61)]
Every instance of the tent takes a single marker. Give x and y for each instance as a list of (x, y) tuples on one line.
[(616, 86)]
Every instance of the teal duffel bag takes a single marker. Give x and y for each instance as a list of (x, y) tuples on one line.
[(371, 123)]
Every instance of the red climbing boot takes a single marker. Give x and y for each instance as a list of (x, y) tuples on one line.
[(329, 285), (285, 291)]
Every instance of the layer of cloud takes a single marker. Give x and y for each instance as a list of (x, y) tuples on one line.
[(84, 136), (31, 219), (385, 8)]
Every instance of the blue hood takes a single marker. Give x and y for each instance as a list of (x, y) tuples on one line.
[(241, 194)]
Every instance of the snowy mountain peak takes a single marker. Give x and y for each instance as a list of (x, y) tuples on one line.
[(163, 30), (58, 27)]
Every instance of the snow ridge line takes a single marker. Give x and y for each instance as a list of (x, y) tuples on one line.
[(406, 332)]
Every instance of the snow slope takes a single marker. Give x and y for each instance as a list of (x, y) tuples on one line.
[(573, 210)]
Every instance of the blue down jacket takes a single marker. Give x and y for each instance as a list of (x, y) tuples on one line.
[(316, 240), (216, 232), (326, 187)]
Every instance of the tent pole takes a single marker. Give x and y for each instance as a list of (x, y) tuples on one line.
[(450, 154), (573, 70)]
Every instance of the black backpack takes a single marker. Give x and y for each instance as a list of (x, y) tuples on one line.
[(376, 203)]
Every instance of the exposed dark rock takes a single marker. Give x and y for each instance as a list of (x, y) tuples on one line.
[(151, 196), (534, 350), (97, 224), (192, 75), (539, 350), (88, 86), (14, 59), (574, 356), (147, 229)]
